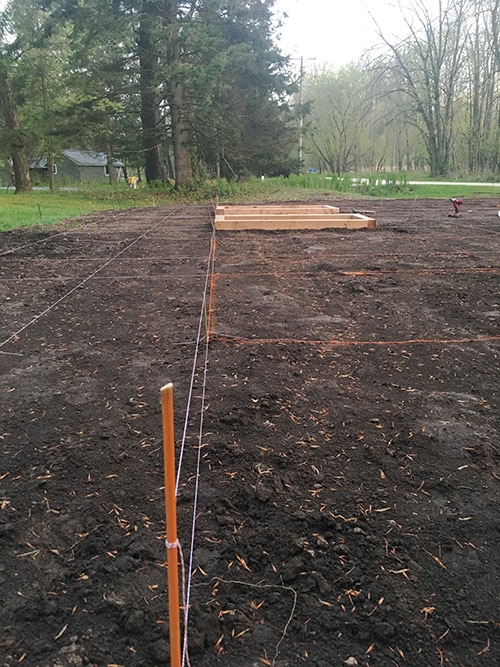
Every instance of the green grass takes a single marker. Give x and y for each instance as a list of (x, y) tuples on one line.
[(42, 208), (432, 191), (315, 186)]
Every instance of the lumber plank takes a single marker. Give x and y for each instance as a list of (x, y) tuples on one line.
[(276, 210), (288, 217), (303, 223)]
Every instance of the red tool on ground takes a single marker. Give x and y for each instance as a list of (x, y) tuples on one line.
[(456, 203)]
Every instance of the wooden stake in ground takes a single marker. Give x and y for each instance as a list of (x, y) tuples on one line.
[(172, 544)]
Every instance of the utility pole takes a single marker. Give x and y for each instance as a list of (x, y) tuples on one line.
[(301, 121), (301, 104)]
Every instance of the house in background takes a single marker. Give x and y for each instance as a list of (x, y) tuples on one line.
[(77, 166)]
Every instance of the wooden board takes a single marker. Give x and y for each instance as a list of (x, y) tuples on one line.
[(290, 217), (276, 210)]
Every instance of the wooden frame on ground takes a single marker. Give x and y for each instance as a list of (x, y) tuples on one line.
[(288, 217)]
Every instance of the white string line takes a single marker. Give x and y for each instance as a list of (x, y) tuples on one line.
[(118, 276), (195, 358), (52, 236), (203, 317), (186, 578), (171, 344), (186, 589), (47, 238), (183, 583), (261, 586), (116, 218), (195, 507), (28, 245), (153, 258), (65, 296)]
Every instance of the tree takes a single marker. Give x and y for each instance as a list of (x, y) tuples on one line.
[(495, 29), (176, 96), (14, 134), (341, 102), (143, 38), (426, 68), (237, 89), (481, 87), (199, 82), (39, 78), (148, 47), (100, 102)]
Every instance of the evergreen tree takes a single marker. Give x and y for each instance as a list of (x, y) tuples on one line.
[(15, 136), (239, 89)]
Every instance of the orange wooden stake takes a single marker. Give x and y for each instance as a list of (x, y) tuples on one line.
[(172, 544)]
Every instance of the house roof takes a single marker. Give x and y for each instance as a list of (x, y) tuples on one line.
[(79, 157), (89, 158), (39, 163)]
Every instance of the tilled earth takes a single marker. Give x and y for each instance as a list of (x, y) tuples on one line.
[(337, 438)]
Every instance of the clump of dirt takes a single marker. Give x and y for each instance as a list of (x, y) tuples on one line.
[(338, 438)]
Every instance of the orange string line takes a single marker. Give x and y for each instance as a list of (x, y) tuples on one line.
[(342, 272), (211, 300), (346, 343)]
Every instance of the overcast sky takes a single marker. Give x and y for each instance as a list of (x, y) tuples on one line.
[(338, 31)]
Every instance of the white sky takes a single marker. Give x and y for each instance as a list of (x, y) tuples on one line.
[(335, 31), (338, 32)]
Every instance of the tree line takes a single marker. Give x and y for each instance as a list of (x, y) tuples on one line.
[(429, 102), (177, 89), (189, 89)]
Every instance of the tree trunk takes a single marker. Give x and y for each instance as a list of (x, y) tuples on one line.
[(495, 18), (150, 100), (110, 164), (428, 64), (47, 121), (178, 110), (15, 136), (180, 140), (51, 172)]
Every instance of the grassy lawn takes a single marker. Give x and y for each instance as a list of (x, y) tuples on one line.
[(43, 208), (465, 191), (391, 186)]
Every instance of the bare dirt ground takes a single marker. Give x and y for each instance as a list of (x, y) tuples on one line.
[(339, 440)]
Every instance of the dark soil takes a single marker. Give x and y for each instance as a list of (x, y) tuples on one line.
[(340, 450)]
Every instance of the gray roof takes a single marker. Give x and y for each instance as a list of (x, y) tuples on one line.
[(39, 163), (79, 157), (89, 158)]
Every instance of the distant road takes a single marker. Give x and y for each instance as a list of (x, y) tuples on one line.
[(492, 185), (456, 184)]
